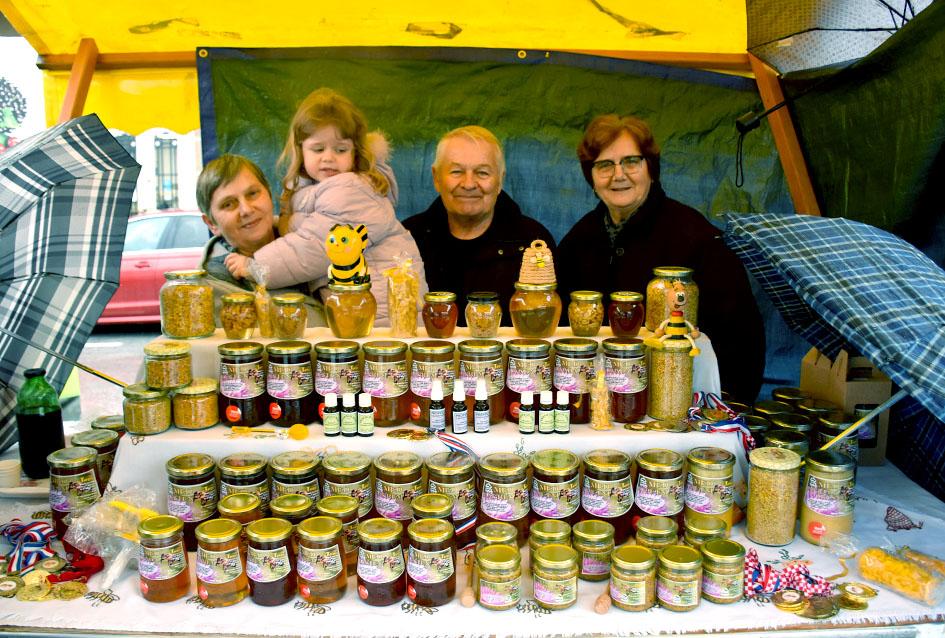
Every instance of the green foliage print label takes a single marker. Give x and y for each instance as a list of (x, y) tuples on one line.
[(267, 565), (319, 564), (674, 592), (595, 563), (556, 592), (429, 567), (555, 500), (349, 536), (505, 594), (192, 502), (380, 567), (73, 492), (217, 568), (360, 490), (490, 370), (632, 593), (607, 499), (161, 563), (723, 585), (385, 380), (463, 494), (709, 495)]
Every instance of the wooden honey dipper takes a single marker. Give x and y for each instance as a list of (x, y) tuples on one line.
[(468, 597)]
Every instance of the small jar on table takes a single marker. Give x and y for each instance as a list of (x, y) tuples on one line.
[(828, 495), (146, 410), (633, 578), (387, 379), (290, 383), (322, 575), (270, 563), (535, 309), (430, 360), (238, 315), (661, 485), (555, 576), (382, 579), (483, 314), (772, 496), (187, 305), (431, 562), (242, 384), (547, 531), (656, 532), (74, 484), (586, 313), (482, 359), (679, 578), (350, 310), (709, 489), (104, 442), (607, 492), (574, 372), (288, 315), (162, 559), (191, 492), (556, 487), (221, 577), (504, 497), (440, 314), (196, 406), (167, 364), (399, 481), (499, 568), (723, 571), (625, 313), (594, 541), (345, 509), (625, 371)]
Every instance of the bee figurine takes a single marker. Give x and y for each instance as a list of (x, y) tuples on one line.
[(676, 326), (345, 246)]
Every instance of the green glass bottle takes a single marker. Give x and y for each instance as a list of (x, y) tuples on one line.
[(38, 423)]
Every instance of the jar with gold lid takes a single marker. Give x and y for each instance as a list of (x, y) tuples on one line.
[(832, 424), (625, 371), (221, 579), (186, 305), (382, 577), (345, 509), (453, 474), (496, 533), (625, 313), (288, 315), (349, 474), (664, 279), (499, 568), (238, 315), (795, 422), (594, 541), (505, 493), (535, 309), (440, 314), (670, 380), (556, 486), (768, 409), (245, 472), (295, 473), (701, 528), (399, 481), (633, 578), (431, 505), (242, 508), (772, 495), (74, 483), (796, 442), (483, 314), (294, 508), (191, 492), (104, 442), (814, 407), (657, 532), (167, 364), (547, 531), (242, 384), (146, 410), (585, 313), (661, 486), (709, 484), (430, 360), (270, 565), (791, 396), (431, 562), (723, 571), (290, 383), (482, 359), (607, 492), (112, 422), (574, 372), (679, 578), (162, 559), (828, 495), (337, 370), (196, 406), (529, 370), (350, 310), (386, 379), (555, 575), (321, 571)]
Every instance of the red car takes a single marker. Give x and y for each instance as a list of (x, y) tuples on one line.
[(154, 244)]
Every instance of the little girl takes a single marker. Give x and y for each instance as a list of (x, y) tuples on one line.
[(335, 174)]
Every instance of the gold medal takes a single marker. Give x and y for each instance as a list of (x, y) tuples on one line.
[(790, 600), (10, 585), (857, 591), (36, 591), (36, 576), (843, 602), (70, 590), (637, 427), (52, 564), (820, 608)]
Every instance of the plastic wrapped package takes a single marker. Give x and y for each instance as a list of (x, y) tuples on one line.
[(600, 399), (260, 274), (904, 577), (929, 562), (403, 297)]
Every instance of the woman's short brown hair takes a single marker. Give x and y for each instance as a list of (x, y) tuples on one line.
[(602, 132)]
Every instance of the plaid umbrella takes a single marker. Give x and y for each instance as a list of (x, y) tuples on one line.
[(65, 195), (839, 283)]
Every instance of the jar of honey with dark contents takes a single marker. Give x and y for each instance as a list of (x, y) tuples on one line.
[(382, 578), (270, 563), (431, 562), (321, 563)]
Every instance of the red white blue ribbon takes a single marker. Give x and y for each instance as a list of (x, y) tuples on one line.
[(765, 579), (735, 422), (30, 544)]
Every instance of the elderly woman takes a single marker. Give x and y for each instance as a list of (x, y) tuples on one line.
[(636, 228)]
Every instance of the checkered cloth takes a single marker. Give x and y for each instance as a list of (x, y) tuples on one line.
[(65, 196)]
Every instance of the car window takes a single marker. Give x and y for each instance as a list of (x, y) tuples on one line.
[(187, 231), (145, 234)]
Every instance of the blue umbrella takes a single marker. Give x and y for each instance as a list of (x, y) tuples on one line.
[(839, 283), (65, 196)]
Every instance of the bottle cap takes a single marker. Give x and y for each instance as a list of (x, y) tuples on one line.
[(481, 390), (347, 399), (459, 394), (546, 396), (364, 400), (331, 400), (562, 396), (436, 392), (528, 397), (34, 372)]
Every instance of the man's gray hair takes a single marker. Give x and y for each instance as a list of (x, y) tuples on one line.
[(475, 134), (221, 172)]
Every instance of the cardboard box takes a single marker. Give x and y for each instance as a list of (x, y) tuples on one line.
[(851, 383)]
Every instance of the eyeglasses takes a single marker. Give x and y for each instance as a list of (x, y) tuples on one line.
[(630, 164)]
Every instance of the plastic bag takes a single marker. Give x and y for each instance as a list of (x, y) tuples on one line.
[(260, 274), (600, 399), (904, 577), (403, 297), (925, 560)]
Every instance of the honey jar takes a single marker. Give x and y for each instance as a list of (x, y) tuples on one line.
[(162, 559)]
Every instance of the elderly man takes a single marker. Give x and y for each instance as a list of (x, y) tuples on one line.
[(473, 236), (236, 203)]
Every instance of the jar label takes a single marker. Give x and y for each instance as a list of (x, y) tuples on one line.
[(628, 592), (106, 460), (349, 423), (380, 567), (607, 499), (556, 500), (366, 423), (73, 492), (242, 380), (429, 567), (504, 594), (849, 445), (661, 497), (679, 593), (161, 563), (556, 592), (595, 563), (385, 380), (319, 564), (529, 375), (574, 375), (216, 568), (504, 501), (829, 497), (289, 381), (192, 502), (393, 500), (422, 374), (267, 565), (709, 495), (260, 489), (349, 536), (490, 370), (360, 490), (625, 376), (309, 489), (723, 585), (338, 378), (463, 495), (546, 421)]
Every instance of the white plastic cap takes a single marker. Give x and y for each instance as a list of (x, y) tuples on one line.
[(459, 394), (436, 391), (347, 399), (481, 390), (331, 400), (546, 396), (528, 397), (562, 396), (364, 400)]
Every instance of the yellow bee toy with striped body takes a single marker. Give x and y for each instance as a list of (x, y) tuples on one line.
[(345, 246)]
